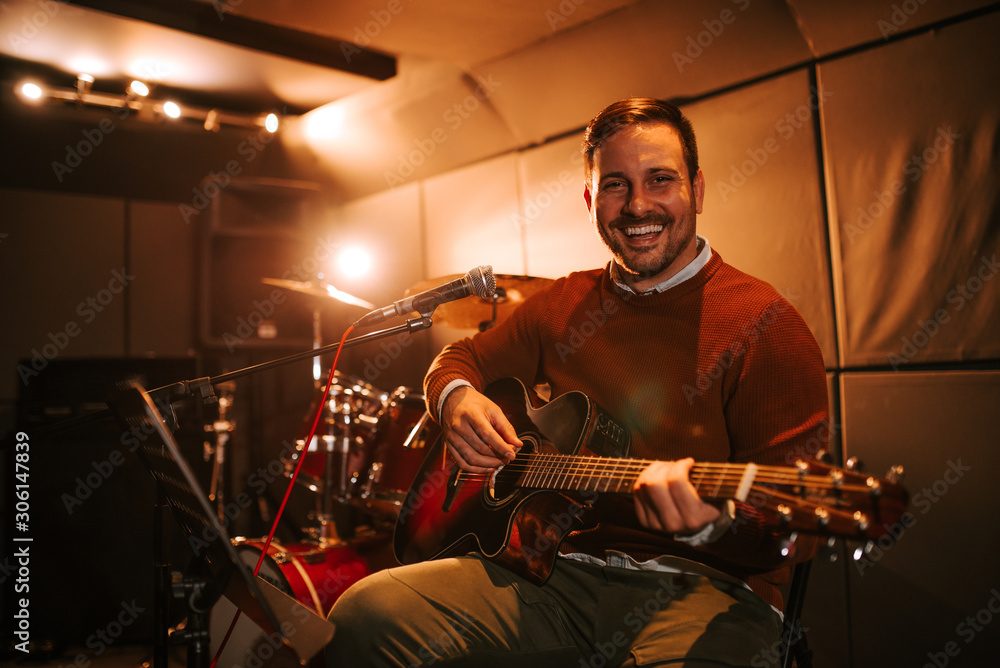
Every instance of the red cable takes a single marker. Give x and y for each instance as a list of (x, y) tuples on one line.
[(291, 484)]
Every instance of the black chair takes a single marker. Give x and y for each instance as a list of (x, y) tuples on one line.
[(794, 647)]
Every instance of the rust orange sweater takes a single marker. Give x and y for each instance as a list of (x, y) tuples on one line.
[(719, 368)]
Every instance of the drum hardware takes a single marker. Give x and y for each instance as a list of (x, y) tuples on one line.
[(414, 439), (215, 451), (403, 432)]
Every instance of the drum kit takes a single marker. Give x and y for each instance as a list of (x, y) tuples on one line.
[(363, 457)]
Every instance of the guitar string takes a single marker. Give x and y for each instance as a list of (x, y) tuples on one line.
[(574, 463), (600, 472)]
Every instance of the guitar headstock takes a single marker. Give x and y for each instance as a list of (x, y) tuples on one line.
[(817, 498)]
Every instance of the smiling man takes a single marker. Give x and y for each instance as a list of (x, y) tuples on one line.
[(696, 360)]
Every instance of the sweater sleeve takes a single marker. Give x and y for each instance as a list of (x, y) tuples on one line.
[(509, 349), (777, 411)]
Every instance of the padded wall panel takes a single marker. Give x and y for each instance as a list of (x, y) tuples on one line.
[(660, 49), (162, 249), (389, 226), (832, 26), (763, 207), (913, 135), (558, 233), (942, 568), (62, 279), (472, 219)]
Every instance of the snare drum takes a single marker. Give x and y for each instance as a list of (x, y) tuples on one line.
[(350, 416), (403, 434), (315, 576)]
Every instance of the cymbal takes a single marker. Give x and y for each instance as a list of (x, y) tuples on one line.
[(471, 312), (323, 290)]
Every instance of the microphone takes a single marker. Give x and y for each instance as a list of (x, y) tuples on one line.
[(478, 282)]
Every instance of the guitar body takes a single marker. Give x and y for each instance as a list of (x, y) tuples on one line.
[(448, 512), (518, 514)]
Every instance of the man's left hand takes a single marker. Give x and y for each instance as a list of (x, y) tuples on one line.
[(665, 499)]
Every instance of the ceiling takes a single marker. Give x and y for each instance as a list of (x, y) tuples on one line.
[(390, 70)]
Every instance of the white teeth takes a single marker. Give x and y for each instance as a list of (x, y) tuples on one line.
[(645, 229)]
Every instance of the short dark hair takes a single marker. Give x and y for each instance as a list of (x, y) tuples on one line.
[(633, 111)]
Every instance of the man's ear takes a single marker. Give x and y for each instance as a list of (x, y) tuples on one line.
[(586, 196)]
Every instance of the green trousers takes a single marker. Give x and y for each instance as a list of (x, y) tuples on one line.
[(469, 612)]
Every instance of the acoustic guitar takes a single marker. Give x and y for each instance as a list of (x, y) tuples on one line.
[(518, 514)]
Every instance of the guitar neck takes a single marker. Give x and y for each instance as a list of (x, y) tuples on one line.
[(617, 475)]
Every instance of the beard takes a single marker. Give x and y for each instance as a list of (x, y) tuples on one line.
[(650, 261)]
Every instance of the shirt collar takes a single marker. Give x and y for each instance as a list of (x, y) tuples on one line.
[(692, 268)]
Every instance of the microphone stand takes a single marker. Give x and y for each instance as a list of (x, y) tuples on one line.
[(203, 389)]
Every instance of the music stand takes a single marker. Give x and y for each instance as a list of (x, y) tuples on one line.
[(271, 609)]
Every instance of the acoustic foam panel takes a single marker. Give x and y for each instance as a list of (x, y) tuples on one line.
[(763, 206), (65, 281), (162, 249), (912, 136), (934, 580), (558, 234)]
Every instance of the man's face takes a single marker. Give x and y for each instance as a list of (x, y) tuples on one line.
[(644, 203)]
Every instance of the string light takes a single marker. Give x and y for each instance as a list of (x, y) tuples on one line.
[(135, 98), (171, 109)]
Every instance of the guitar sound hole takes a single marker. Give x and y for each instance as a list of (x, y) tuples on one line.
[(503, 481)]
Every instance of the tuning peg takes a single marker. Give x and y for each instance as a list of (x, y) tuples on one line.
[(863, 550), (789, 545), (895, 474), (830, 549), (854, 464), (825, 457)]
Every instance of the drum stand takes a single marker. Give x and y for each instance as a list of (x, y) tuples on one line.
[(335, 478), (223, 427)]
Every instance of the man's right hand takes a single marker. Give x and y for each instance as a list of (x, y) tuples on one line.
[(479, 436)]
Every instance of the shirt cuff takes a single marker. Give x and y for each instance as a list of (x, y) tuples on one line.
[(453, 385), (711, 532)]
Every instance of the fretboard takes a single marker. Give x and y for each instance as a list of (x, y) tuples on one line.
[(618, 475)]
